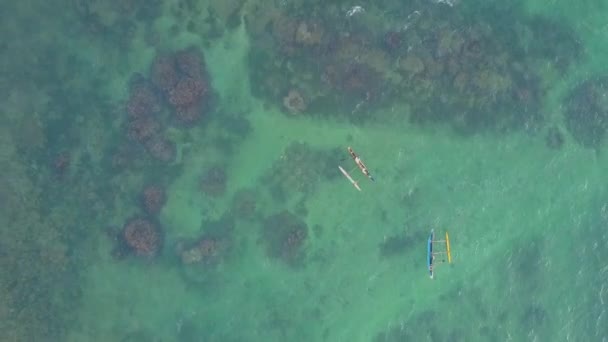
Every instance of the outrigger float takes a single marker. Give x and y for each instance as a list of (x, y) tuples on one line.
[(361, 167), (432, 254)]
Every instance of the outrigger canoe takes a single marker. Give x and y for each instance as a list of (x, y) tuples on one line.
[(431, 253)]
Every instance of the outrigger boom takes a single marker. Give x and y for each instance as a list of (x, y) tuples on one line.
[(352, 181)]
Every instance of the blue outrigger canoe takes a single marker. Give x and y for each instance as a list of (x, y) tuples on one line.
[(429, 253)]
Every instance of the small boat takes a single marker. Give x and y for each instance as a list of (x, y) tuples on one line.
[(432, 254), (360, 164), (361, 167)]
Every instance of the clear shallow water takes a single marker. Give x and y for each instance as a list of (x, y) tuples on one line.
[(527, 222)]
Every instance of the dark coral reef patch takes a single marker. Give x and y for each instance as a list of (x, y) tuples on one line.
[(587, 112), (473, 71), (299, 170), (284, 236)]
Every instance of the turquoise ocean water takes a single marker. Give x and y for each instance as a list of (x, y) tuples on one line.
[(171, 170)]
